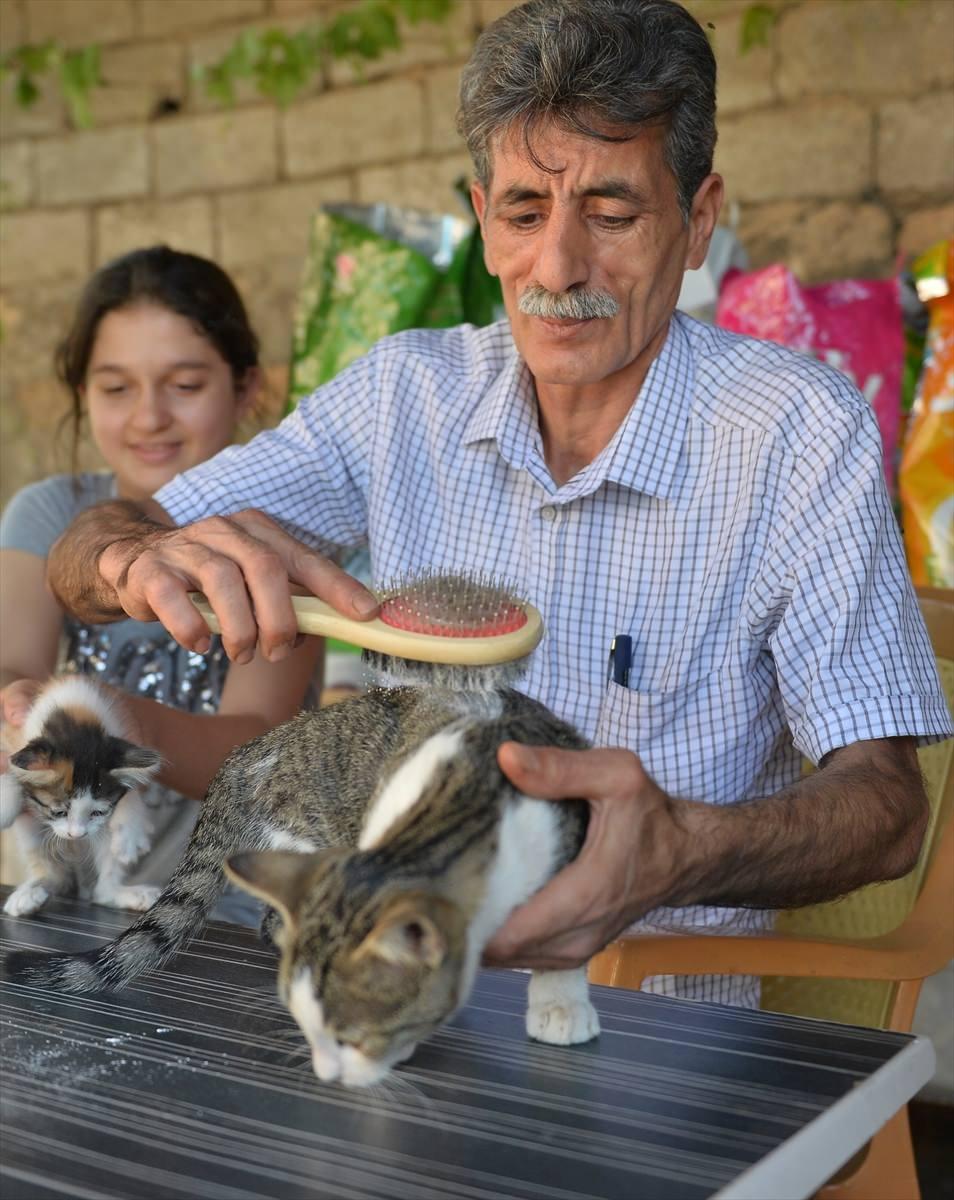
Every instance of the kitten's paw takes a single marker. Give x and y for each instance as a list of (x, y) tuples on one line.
[(129, 842), (563, 1024), (11, 800), (28, 898), (135, 898)]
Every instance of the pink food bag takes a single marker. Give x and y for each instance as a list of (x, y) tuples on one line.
[(854, 325)]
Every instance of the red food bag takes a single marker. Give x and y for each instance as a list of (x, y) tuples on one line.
[(854, 325)]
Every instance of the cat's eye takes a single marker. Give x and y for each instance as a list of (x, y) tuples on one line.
[(99, 812), (56, 813)]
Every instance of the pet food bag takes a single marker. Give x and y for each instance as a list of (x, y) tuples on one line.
[(373, 270), (926, 473), (854, 325)]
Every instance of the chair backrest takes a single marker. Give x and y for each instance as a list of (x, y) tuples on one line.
[(877, 909)]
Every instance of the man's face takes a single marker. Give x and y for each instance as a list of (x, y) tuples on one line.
[(606, 221)]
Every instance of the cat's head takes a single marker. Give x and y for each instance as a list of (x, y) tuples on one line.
[(74, 788), (366, 972)]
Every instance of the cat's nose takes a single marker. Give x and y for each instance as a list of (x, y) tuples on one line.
[(75, 831)]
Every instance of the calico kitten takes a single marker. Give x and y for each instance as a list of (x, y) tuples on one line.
[(390, 847), (70, 794)]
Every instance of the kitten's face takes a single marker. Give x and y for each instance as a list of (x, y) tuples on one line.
[(73, 787), (366, 979)]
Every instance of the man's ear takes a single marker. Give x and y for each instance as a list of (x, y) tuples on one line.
[(279, 877), (706, 206), (478, 197)]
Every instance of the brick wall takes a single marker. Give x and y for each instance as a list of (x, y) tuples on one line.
[(837, 142)]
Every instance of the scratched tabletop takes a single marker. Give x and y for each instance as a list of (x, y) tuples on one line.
[(194, 1083)]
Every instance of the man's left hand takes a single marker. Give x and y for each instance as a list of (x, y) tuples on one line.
[(627, 865)]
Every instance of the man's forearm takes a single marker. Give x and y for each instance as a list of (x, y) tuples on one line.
[(860, 818), (73, 563)]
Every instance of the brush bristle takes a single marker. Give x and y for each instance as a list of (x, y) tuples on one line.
[(388, 671), (448, 604), (451, 604)]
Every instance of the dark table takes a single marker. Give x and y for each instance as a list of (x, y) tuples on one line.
[(195, 1084)]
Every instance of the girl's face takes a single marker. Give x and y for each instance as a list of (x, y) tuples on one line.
[(160, 397)]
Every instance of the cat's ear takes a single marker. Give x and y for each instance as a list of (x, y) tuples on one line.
[(137, 766), (33, 763), (414, 930), (279, 877)]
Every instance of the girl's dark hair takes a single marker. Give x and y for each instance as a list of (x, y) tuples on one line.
[(187, 284)]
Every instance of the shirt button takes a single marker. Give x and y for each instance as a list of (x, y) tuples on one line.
[(548, 512)]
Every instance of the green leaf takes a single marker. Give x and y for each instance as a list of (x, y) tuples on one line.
[(285, 65), (35, 59), (415, 11), (757, 23), (219, 85), (364, 32), (27, 92), (79, 74)]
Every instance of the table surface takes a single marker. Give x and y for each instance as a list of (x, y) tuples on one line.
[(195, 1084)]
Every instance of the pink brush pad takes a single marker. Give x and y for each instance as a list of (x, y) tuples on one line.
[(402, 613)]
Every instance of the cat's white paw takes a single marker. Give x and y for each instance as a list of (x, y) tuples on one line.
[(28, 898), (563, 1024), (11, 800), (136, 897), (129, 843)]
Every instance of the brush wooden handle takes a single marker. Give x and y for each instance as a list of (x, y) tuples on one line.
[(317, 617)]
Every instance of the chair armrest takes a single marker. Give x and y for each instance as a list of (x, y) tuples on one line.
[(908, 952)]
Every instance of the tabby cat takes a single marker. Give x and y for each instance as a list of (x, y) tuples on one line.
[(389, 847), (71, 795)]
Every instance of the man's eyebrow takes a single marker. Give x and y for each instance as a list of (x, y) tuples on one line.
[(618, 189), (516, 194), (607, 189)]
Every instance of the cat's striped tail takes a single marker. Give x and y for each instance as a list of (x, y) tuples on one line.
[(179, 913)]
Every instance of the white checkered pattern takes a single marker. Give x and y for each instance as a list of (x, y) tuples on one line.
[(737, 527)]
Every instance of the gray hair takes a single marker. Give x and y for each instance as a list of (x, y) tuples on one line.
[(601, 68)]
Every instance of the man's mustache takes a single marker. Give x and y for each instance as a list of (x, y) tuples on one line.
[(577, 304)]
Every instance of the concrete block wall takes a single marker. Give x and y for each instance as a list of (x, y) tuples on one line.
[(836, 141)]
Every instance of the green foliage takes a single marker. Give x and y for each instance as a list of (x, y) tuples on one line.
[(76, 71), (281, 64), (757, 22)]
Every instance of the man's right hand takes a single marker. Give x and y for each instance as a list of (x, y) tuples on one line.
[(245, 564)]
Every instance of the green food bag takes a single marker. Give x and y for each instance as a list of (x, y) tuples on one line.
[(374, 270)]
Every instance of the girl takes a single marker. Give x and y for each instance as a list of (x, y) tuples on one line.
[(162, 361)]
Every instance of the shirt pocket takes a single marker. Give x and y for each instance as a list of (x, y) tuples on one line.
[(641, 720), (708, 739)]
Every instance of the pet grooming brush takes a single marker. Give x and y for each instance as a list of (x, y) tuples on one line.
[(444, 619)]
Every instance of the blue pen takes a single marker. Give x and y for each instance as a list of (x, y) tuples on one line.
[(621, 658)]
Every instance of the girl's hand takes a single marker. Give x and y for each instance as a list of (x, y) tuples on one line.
[(16, 700)]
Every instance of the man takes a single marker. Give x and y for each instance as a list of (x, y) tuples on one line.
[(719, 500)]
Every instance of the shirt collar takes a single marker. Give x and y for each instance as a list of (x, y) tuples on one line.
[(507, 413), (646, 450)]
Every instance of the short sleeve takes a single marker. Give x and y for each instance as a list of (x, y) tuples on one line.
[(852, 656), (37, 515)]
